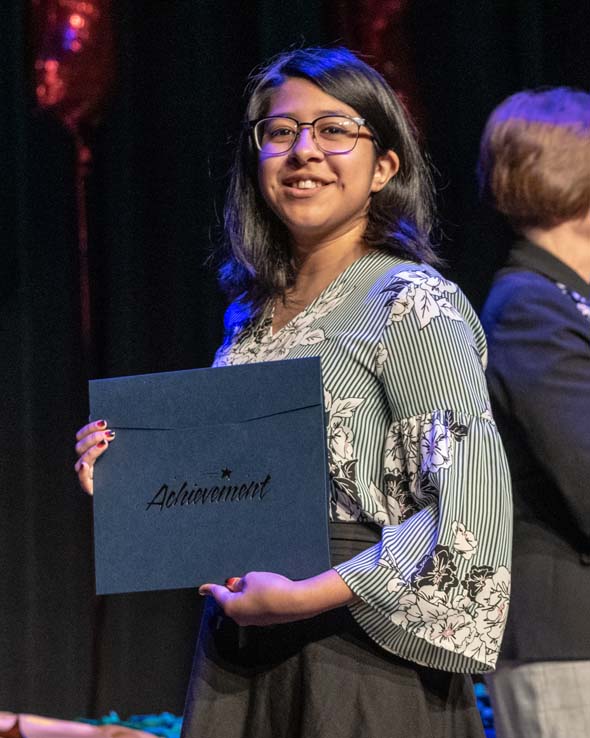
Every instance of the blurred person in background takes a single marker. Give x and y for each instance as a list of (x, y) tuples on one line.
[(535, 169)]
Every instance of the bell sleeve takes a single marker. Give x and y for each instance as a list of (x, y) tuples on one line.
[(435, 590)]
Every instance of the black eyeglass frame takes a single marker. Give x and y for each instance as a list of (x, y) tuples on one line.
[(252, 124)]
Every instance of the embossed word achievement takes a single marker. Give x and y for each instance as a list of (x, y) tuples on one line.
[(213, 473)]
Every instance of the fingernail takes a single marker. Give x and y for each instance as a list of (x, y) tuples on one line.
[(231, 581), (110, 435), (101, 424), (102, 444)]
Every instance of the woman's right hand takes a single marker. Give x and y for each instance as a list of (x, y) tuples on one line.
[(92, 441)]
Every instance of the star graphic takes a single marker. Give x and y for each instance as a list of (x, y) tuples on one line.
[(225, 473)]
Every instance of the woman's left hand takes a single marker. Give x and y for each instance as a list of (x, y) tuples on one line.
[(264, 598)]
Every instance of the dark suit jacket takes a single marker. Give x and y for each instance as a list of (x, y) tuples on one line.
[(537, 319)]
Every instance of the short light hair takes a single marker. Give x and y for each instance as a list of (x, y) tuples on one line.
[(534, 162)]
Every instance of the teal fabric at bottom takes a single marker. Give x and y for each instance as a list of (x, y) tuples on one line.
[(164, 724)]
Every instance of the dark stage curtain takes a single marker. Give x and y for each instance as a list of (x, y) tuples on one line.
[(161, 154), (45, 556), (160, 157), (454, 61)]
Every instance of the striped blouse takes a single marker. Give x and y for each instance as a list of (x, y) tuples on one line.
[(412, 447)]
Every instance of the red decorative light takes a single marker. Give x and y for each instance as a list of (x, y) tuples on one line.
[(74, 58), (382, 30), (77, 21), (74, 69)]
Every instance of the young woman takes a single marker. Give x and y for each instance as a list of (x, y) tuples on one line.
[(328, 221)]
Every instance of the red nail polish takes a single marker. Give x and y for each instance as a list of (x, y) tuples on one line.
[(101, 444), (102, 424), (110, 435)]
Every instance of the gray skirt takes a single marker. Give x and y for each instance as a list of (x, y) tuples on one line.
[(319, 678)]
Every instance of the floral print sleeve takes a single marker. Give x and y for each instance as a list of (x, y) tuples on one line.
[(437, 586), (412, 448)]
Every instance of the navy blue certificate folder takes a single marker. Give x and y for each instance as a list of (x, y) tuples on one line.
[(213, 473)]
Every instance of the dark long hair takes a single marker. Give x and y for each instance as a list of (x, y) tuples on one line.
[(258, 260)]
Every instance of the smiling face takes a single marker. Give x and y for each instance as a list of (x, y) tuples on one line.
[(320, 196)]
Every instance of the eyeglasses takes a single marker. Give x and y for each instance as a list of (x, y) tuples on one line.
[(333, 134)]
